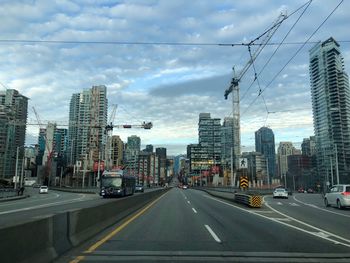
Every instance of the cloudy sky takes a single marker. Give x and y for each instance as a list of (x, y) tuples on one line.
[(163, 81)]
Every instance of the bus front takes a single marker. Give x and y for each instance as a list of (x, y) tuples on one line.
[(111, 184)]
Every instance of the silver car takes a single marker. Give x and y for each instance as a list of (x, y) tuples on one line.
[(339, 196)]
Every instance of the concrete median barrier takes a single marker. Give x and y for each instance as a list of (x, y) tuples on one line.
[(44, 239), (28, 242)]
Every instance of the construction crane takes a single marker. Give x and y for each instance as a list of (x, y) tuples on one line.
[(48, 147), (143, 125), (234, 89)]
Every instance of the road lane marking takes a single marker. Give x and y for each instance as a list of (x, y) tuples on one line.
[(264, 211), (212, 233), (279, 203), (282, 219), (320, 208), (31, 200), (41, 206), (116, 231), (194, 210), (294, 204), (77, 259), (310, 226), (322, 234), (288, 225)]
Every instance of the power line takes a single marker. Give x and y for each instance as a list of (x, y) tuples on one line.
[(154, 43), (273, 54), (294, 55)]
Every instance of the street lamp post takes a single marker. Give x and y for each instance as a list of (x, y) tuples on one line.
[(336, 163), (16, 171), (71, 151)]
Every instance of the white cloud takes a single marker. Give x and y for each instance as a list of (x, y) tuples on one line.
[(169, 85)]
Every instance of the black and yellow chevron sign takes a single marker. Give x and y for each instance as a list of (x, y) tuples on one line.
[(243, 182)]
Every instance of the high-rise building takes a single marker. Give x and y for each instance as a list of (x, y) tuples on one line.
[(161, 153), (117, 147), (209, 137), (87, 122), (52, 145), (330, 95), (227, 142), (205, 156), (133, 148), (308, 146), (257, 168), (13, 118), (149, 148), (284, 150), (265, 144)]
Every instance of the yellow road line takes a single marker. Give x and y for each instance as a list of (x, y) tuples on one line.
[(115, 231), (77, 259)]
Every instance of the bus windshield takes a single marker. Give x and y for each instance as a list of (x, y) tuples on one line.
[(108, 182)]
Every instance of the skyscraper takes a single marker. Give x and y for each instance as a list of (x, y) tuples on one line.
[(13, 118), (209, 137), (308, 146), (161, 154), (265, 144), (330, 95), (284, 150), (133, 148), (117, 151), (87, 121)]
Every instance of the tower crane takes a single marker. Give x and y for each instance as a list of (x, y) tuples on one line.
[(234, 89), (48, 148)]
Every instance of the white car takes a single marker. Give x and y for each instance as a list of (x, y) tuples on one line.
[(338, 196), (280, 193), (43, 189)]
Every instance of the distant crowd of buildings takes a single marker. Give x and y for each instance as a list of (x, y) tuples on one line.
[(211, 157), (77, 155)]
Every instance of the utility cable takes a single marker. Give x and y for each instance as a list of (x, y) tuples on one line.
[(294, 55), (273, 54)]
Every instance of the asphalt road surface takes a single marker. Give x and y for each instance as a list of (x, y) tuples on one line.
[(192, 226)]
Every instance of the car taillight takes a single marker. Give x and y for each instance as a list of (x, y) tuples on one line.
[(345, 193)]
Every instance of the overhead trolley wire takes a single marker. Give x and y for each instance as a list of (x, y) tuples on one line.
[(294, 55), (273, 54)]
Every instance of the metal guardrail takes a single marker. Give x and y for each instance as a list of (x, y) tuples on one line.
[(230, 189), (8, 192), (252, 200)]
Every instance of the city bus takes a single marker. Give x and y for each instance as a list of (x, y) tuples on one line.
[(117, 183)]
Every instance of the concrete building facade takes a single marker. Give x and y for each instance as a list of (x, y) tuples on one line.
[(330, 94)]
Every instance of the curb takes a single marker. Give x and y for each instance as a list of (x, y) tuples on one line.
[(9, 199), (73, 190)]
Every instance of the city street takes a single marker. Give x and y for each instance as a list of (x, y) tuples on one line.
[(42, 205), (190, 225)]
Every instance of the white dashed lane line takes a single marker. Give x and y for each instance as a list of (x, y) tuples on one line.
[(212, 233)]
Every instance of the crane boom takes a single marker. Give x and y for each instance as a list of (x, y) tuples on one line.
[(267, 36), (143, 125)]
